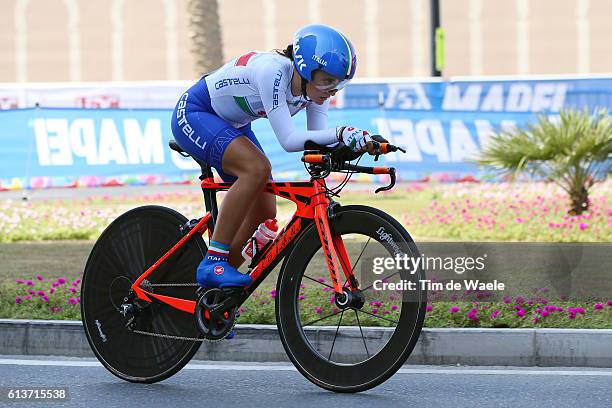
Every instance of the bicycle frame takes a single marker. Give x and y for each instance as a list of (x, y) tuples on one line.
[(312, 204)]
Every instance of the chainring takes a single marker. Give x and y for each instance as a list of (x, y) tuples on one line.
[(212, 323)]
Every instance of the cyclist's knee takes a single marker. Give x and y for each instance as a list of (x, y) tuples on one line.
[(261, 170)]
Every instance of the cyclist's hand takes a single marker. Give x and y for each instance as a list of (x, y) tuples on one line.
[(357, 140)]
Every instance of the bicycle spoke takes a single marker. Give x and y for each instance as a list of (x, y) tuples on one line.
[(359, 257), (378, 317), (357, 261), (323, 318), (315, 280), (383, 279), (335, 336), (362, 336)]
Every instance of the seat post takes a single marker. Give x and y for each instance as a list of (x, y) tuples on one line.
[(210, 196)]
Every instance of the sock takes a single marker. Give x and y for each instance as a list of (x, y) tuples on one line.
[(217, 252)]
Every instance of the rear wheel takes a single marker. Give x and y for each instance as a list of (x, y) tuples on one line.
[(128, 246), (358, 347)]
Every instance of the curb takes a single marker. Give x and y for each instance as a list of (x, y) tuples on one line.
[(260, 343)]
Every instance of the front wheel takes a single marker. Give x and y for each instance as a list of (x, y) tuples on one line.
[(358, 347)]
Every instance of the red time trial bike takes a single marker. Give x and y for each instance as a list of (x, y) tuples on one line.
[(145, 316)]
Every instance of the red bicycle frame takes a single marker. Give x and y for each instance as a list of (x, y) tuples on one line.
[(312, 204)]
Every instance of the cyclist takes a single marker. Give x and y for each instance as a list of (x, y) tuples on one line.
[(212, 122)]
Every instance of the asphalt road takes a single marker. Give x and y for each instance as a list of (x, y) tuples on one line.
[(214, 384)]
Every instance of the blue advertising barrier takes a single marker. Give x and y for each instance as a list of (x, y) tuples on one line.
[(441, 124)]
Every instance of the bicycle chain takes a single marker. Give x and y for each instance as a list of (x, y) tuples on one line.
[(170, 336)]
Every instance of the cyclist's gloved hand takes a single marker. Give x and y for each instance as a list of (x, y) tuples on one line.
[(357, 140)]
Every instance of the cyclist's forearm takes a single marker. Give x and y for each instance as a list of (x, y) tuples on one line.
[(292, 139)]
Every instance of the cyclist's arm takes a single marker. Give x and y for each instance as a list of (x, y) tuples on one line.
[(316, 116), (273, 85)]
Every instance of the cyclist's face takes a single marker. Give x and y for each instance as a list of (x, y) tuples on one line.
[(321, 87)]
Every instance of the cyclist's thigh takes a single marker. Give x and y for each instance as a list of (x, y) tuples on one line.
[(243, 157)]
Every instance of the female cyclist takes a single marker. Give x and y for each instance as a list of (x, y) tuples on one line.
[(212, 122)]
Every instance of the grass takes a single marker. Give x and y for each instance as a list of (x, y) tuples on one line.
[(525, 212), (54, 238)]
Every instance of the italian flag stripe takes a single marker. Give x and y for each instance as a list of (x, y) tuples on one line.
[(244, 105), (212, 251), (242, 61), (350, 56)]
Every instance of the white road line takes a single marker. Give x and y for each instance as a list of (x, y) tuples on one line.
[(284, 367)]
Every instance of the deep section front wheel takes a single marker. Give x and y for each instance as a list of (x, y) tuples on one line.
[(350, 349), (128, 246)]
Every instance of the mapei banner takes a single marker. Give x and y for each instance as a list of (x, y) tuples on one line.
[(442, 125)]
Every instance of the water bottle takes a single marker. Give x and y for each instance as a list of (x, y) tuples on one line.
[(265, 233)]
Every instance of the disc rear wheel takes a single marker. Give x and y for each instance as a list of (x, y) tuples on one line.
[(130, 245)]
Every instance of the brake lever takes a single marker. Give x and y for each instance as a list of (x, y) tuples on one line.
[(391, 184)]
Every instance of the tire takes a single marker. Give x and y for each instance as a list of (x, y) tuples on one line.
[(383, 350), (126, 248)]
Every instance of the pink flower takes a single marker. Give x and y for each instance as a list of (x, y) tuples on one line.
[(301, 297), (519, 220), (39, 277), (55, 284), (374, 311), (536, 320), (583, 226), (272, 292), (494, 314), (17, 300), (598, 306), (72, 301), (45, 298), (322, 280), (318, 310), (51, 290), (40, 293), (78, 299), (375, 303), (454, 309), (610, 303), (545, 314), (61, 281), (520, 312), (332, 299), (507, 299), (429, 308), (20, 281), (394, 307), (29, 283)]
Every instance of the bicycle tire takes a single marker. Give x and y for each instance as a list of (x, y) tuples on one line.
[(307, 355), (126, 248)]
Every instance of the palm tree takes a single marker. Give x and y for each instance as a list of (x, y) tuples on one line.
[(205, 33), (573, 151)]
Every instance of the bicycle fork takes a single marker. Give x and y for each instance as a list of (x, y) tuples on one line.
[(334, 249)]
